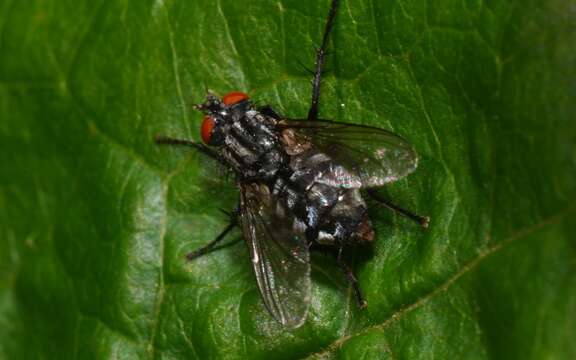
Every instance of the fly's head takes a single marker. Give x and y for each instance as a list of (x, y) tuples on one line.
[(220, 114)]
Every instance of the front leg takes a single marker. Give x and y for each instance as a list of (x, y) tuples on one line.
[(164, 140)]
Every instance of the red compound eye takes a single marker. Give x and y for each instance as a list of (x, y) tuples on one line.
[(206, 129), (234, 97)]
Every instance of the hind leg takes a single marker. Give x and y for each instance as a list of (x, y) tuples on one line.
[(351, 279), (423, 221)]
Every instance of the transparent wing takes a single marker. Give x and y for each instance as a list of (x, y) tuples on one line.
[(279, 254), (371, 156)]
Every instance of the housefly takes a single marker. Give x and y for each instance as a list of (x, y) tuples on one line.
[(300, 183)]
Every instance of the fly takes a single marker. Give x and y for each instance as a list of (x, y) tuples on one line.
[(300, 183)]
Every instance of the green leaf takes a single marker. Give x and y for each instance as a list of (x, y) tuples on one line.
[(95, 219)]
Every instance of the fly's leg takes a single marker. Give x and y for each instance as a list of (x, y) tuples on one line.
[(351, 279), (210, 246), (319, 65), (269, 111), (423, 221), (163, 140)]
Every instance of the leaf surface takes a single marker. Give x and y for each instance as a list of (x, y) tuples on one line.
[(95, 220)]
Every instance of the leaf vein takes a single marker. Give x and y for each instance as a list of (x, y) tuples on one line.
[(176, 70), (161, 287), (467, 268)]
